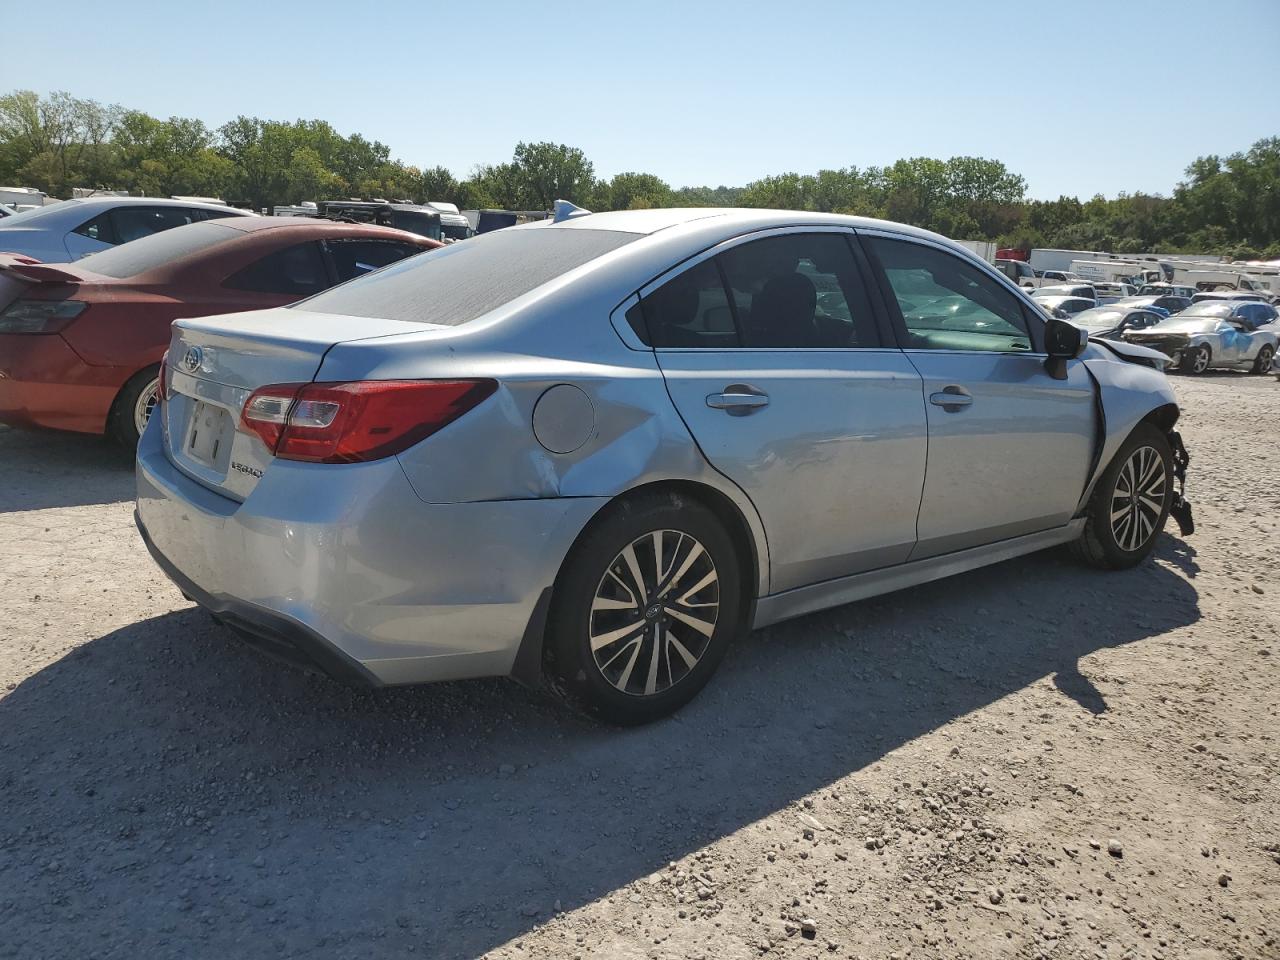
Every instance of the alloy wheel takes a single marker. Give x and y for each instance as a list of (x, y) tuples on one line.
[(654, 612), (1263, 363), (1138, 499), (145, 405), (1200, 361)]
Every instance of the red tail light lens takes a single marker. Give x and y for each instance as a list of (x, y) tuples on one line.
[(162, 385), (39, 316), (355, 422)]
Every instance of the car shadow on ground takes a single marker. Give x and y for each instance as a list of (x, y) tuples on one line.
[(43, 468), (208, 802)]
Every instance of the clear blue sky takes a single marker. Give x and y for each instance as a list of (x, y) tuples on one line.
[(1091, 96)]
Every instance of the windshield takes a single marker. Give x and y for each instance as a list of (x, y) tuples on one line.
[(147, 253), (455, 284), (26, 218), (1097, 317), (411, 221), (1208, 308), (455, 231)]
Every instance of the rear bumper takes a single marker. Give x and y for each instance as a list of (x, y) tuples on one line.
[(44, 383), (345, 567)]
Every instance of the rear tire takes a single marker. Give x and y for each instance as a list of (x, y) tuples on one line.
[(1262, 365), (133, 407), (1130, 504), (644, 609)]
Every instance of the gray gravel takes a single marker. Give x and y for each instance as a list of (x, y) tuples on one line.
[(940, 772)]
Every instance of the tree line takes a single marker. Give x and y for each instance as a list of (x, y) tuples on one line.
[(1226, 205)]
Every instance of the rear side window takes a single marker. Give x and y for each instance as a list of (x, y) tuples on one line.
[(296, 271), (354, 258), (458, 283), (792, 291), (799, 290), (691, 310), (99, 228), (133, 223), (131, 259)]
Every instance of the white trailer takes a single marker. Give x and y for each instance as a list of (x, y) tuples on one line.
[(23, 198), (986, 249), (1117, 271)]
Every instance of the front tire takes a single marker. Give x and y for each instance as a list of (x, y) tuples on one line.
[(1262, 365), (134, 405), (644, 609), (1197, 361), (1130, 504)]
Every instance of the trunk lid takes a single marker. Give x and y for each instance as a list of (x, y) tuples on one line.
[(215, 364)]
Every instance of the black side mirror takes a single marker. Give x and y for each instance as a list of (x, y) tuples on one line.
[(1063, 341)]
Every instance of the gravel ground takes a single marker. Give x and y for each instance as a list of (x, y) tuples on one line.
[(1029, 760)]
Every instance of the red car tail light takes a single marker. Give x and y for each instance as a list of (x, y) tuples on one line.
[(39, 316), (162, 386), (359, 421)]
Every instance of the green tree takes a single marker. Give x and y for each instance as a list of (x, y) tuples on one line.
[(633, 191), (548, 172)]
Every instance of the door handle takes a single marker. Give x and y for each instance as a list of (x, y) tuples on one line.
[(738, 399), (951, 398)]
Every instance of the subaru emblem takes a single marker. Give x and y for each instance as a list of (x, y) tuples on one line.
[(191, 359)]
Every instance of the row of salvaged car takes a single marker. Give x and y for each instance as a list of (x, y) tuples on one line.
[(89, 288), (1197, 329)]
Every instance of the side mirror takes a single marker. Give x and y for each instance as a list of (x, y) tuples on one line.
[(1063, 341)]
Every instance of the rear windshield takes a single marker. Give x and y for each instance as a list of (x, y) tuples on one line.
[(454, 284), (139, 256), (25, 218)]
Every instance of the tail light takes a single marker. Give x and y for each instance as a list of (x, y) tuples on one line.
[(354, 422), (162, 384), (39, 316)]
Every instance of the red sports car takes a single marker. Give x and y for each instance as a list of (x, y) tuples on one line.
[(80, 343)]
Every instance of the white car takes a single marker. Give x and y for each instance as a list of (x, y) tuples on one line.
[(61, 232), (1084, 290), (1196, 343)]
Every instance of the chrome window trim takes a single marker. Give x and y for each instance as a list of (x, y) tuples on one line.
[(618, 317), (729, 244)]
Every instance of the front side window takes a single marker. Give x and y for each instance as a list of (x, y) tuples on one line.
[(296, 271), (355, 258), (948, 304), (131, 222)]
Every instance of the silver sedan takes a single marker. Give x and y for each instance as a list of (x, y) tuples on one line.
[(591, 454)]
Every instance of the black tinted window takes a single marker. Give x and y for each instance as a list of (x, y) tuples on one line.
[(132, 223), (200, 214), (354, 258), (799, 290), (454, 284), (691, 310), (947, 303), (99, 228), (150, 252), (296, 271)]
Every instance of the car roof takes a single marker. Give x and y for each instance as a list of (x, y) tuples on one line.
[(87, 203), (732, 218), (321, 225)]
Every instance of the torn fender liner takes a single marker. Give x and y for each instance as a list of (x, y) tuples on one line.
[(1180, 509)]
